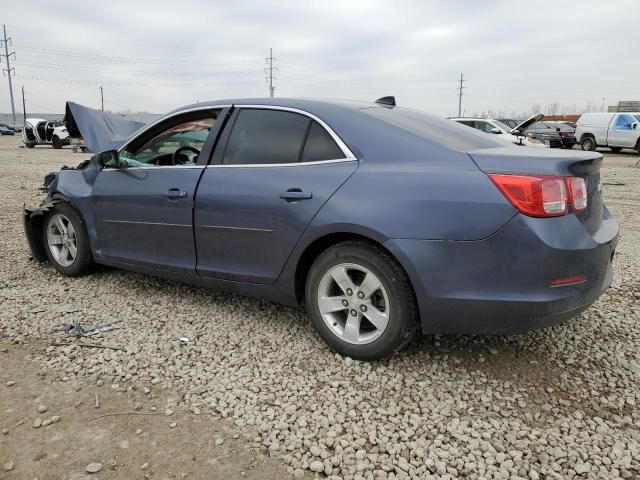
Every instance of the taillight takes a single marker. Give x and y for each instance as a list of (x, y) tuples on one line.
[(578, 193), (542, 196)]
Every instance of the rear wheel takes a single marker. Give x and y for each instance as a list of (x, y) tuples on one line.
[(66, 241), (360, 301), (588, 144), (56, 142), (29, 145)]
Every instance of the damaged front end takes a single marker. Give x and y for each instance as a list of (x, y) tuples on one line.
[(33, 220), (75, 180)]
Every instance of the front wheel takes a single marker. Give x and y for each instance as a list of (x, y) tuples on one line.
[(360, 301), (29, 145), (56, 142), (66, 241), (588, 144)]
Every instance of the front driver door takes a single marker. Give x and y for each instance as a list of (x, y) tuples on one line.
[(273, 172), (143, 208)]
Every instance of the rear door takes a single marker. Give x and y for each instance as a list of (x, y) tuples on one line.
[(622, 133), (272, 172)]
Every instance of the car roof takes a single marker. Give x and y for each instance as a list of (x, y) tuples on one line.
[(307, 104)]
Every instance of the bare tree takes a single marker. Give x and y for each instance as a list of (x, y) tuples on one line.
[(553, 108), (536, 108)]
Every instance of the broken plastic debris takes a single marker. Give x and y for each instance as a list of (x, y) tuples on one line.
[(79, 331)]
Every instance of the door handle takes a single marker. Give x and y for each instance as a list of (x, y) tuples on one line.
[(176, 193), (295, 194)]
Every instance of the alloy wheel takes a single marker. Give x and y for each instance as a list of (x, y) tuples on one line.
[(353, 303), (62, 240)]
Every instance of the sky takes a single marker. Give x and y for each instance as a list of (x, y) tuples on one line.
[(156, 55)]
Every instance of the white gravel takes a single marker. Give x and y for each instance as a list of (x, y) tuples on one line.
[(558, 403)]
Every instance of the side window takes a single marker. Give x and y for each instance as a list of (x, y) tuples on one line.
[(176, 142), (319, 145), (264, 136), (468, 123), (484, 126), (624, 122)]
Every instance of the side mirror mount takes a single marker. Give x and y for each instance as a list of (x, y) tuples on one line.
[(110, 158), (495, 130), (634, 125)]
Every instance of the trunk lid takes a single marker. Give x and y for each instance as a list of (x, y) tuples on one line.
[(554, 163)]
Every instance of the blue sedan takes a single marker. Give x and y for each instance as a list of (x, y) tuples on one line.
[(382, 221)]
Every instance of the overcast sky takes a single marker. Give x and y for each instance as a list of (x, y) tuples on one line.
[(154, 55)]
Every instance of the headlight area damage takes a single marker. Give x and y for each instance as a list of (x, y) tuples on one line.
[(62, 186), (101, 131), (32, 220)]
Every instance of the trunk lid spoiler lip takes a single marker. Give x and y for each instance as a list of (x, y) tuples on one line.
[(518, 161)]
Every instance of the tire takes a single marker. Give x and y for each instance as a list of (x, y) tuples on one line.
[(395, 299), (616, 149), (65, 264), (56, 142), (29, 145), (588, 144)]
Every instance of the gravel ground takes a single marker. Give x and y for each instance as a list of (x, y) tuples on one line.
[(557, 403)]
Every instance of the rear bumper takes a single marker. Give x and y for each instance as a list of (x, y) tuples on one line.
[(501, 285)]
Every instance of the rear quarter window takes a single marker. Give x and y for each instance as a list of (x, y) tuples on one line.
[(320, 146)]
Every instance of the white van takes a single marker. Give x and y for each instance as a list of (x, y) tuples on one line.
[(613, 130)]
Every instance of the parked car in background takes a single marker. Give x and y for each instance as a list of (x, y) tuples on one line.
[(37, 131), (613, 130), (8, 127), (514, 135), (6, 131), (556, 134), (383, 221)]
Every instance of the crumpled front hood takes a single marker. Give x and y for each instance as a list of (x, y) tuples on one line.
[(101, 131)]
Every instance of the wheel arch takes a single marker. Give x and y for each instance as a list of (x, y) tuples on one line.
[(587, 135), (33, 222), (322, 243)]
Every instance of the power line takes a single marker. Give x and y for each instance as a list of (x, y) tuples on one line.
[(129, 84), (91, 68), (270, 70), (97, 56), (460, 88), (9, 70)]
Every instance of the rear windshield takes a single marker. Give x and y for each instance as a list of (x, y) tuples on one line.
[(445, 132)]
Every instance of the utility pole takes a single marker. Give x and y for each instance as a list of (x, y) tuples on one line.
[(102, 98), (602, 107), (269, 70), (9, 70), (460, 88), (24, 107)]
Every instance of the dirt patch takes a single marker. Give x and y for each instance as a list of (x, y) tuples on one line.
[(197, 447)]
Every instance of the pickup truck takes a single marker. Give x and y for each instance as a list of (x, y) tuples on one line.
[(613, 130)]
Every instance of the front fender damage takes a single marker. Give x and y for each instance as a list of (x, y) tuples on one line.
[(61, 186), (32, 222)]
